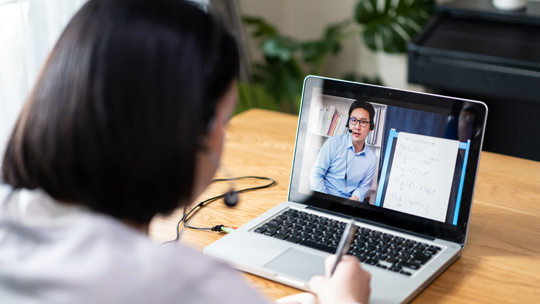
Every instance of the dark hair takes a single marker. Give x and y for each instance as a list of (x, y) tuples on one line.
[(366, 106), (118, 112)]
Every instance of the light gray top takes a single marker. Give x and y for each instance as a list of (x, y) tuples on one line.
[(56, 253)]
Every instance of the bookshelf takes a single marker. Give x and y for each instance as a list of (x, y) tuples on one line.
[(316, 136)]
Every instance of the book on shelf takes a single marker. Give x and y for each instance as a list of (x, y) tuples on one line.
[(332, 125), (328, 120), (336, 125)]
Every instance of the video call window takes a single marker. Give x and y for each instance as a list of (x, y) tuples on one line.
[(420, 156)]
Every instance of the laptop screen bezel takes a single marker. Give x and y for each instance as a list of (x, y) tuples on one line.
[(378, 215)]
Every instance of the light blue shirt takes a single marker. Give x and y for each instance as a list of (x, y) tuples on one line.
[(337, 156)]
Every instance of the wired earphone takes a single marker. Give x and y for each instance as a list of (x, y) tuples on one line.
[(230, 197), (186, 215)]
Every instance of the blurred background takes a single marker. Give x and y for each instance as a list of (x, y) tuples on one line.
[(467, 49)]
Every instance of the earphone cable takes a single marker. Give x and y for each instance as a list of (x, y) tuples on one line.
[(186, 216), (200, 205)]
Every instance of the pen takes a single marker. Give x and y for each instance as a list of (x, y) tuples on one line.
[(344, 244)]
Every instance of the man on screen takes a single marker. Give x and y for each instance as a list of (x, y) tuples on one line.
[(345, 165)]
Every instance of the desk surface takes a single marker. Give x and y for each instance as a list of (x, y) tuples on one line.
[(500, 262)]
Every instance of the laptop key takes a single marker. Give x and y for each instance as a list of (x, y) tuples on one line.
[(434, 248), (260, 230), (280, 236), (392, 260), (288, 223), (270, 232), (325, 242), (309, 226), (284, 230), (363, 257), (293, 239), (432, 252), (372, 261), (381, 257), (394, 268), (410, 265), (271, 225), (317, 246), (420, 258)]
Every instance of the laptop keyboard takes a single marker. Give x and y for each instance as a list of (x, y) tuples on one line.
[(383, 250)]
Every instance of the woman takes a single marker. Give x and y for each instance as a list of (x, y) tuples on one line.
[(124, 123)]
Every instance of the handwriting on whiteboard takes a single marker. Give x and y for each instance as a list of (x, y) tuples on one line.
[(421, 175)]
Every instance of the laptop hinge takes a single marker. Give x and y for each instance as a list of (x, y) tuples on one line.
[(430, 238)]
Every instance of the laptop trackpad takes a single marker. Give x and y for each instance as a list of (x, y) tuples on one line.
[(298, 264)]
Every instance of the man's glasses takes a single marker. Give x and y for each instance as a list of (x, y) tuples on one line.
[(362, 122)]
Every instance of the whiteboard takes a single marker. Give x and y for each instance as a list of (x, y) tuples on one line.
[(421, 175)]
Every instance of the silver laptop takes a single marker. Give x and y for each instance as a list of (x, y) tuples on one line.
[(415, 195)]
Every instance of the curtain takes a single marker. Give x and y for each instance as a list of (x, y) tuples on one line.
[(28, 31)]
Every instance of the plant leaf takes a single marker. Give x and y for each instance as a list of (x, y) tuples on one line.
[(280, 47), (366, 11), (369, 38), (394, 25)]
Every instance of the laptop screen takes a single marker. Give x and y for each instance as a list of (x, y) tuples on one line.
[(402, 159)]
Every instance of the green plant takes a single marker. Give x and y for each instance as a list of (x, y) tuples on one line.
[(390, 26), (277, 80)]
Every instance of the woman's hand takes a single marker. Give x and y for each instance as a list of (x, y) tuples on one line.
[(349, 283)]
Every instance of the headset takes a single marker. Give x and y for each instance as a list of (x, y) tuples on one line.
[(362, 105)]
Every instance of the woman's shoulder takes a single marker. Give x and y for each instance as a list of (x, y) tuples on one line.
[(180, 273), (206, 280), (98, 258)]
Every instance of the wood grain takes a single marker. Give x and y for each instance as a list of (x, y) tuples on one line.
[(501, 260)]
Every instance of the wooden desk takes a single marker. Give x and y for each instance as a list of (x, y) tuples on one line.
[(501, 260)]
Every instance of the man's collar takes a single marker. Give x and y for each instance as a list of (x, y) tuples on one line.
[(350, 145), (349, 141)]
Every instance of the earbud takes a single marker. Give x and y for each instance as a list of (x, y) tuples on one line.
[(231, 198)]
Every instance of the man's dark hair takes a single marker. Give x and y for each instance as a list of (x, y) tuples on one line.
[(366, 106), (118, 112)]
